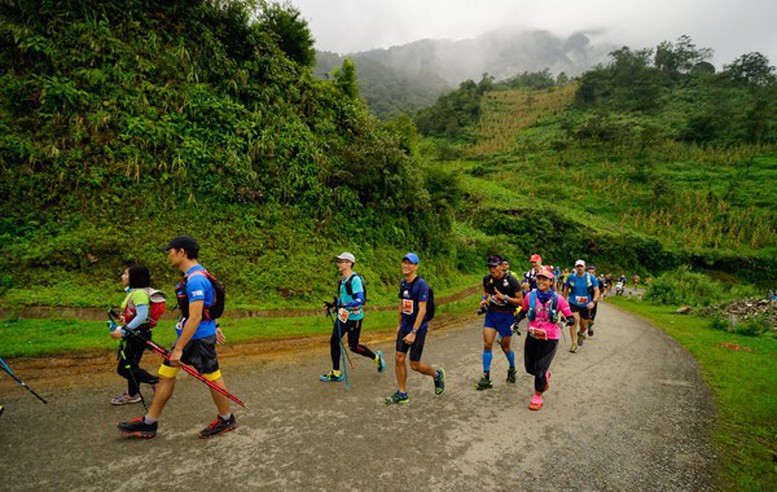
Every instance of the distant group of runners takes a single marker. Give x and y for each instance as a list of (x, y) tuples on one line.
[(505, 302)]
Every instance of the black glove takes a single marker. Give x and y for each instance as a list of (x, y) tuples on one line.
[(570, 321), (329, 305)]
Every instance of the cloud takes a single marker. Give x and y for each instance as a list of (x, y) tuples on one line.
[(729, 27)]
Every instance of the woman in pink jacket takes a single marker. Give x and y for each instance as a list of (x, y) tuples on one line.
[(542, 306)]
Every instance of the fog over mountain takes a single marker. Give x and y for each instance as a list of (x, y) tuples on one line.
[(413, 75)]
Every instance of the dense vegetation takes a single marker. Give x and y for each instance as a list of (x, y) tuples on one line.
[(611, 168), (123, 124)]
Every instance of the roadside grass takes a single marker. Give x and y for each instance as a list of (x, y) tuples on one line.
[(70, 336), (742, 372)]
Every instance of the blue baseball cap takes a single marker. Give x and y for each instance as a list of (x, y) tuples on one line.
[(412, 258)]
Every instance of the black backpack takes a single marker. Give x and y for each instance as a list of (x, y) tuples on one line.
[(212, 312), (349, 287)]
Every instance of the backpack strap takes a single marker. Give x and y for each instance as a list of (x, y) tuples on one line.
[(349, 284)]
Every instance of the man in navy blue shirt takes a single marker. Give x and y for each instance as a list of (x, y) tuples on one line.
[(411, 332)]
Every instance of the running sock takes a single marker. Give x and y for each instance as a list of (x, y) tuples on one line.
[(511, 359), (226, 417), (487, 357), (148, 420)]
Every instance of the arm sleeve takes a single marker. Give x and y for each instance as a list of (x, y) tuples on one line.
[(141, 316), (358, 299)]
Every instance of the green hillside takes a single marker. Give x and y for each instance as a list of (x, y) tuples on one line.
[(630, 167), (124, 124)]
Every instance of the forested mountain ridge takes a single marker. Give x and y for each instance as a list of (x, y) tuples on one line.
[(409, 77)]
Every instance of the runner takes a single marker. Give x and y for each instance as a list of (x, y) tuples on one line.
[(635, 279), (350, 313), (506, 266), (134, 316), (198, 335), (542, 307), (592, 320), (411, 333), (501, 294), (560, 281), (529, 283), (581, 301), (557, 275)]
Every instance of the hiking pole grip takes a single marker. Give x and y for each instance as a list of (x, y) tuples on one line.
[(165, 354)]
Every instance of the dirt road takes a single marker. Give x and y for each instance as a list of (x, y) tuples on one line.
[(629, 411)]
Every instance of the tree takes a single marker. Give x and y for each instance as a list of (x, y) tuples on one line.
[(752, 68), (681, 57), (345, 79), (291, 31)]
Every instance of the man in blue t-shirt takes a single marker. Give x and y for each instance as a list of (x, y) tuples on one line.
[(411, 332), (198, 335), (349, 304), (582, 290)]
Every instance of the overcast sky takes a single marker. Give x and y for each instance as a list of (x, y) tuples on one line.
[(730, 27)]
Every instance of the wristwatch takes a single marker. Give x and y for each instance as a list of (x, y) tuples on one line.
[(414, 331)]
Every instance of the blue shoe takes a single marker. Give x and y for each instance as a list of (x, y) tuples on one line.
[(397, 398), (380, 361), (439, 382), (332, 377)]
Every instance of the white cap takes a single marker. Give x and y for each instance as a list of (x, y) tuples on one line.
[(346, 256), (579, 263)]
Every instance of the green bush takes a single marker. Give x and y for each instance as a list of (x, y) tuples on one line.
[(683, 286)]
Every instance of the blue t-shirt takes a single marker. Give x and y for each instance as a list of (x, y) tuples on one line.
[(579, 294), (410, 295), (355, 313), (199, 288)]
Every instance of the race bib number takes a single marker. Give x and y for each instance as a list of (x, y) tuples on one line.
[(343, 315), (407, 306), (538, 333), (581, 299)]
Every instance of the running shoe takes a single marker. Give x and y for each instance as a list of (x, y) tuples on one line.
[(590, 332), (331, 377), (218, 426), (137, 427), (573, 348), (536, 402), (580, 338), (380, 361), (484, 383), (511, 375), (397, 398), (2, 408), (125, 399), (439, 382)]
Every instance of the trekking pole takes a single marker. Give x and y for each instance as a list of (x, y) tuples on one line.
[(165, 354), (128, 367), (21, 383), (112, 325)]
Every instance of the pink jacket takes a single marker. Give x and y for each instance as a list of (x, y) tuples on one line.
[(541, 321)]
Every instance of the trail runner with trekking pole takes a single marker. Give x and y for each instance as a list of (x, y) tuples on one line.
[(349, 306), (198, 335)]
